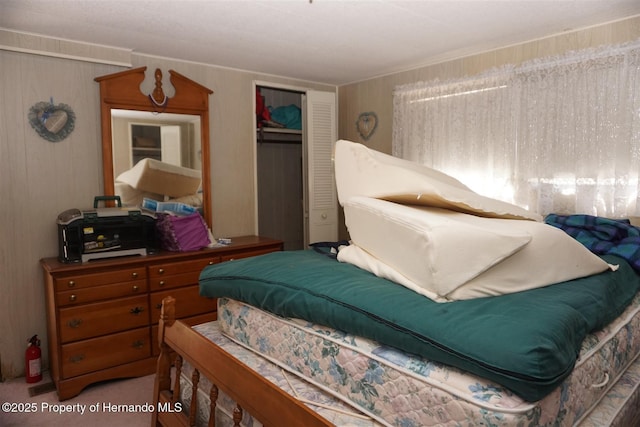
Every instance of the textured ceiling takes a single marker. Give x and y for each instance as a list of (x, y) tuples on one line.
[(329, 41)]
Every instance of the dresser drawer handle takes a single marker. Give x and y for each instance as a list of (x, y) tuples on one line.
[(77, 358), (73, 297), (134, 275), (211, 262), (136, 310), (135, 288), (160, 270), (71, 284), (74, 323), (161, 283), (138, 344)]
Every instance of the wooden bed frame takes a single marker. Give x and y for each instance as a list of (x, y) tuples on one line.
[(262, 399)]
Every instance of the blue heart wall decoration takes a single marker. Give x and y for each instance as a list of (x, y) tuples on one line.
[(367, 124), (52, 122)]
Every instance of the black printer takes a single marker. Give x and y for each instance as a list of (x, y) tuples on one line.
[(85, 235)]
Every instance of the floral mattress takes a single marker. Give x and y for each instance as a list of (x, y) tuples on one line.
[(399, 389), (334, 410)]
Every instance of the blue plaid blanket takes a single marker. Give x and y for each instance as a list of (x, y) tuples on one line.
[(602, 236)]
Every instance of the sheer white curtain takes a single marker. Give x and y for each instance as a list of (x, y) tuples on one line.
[(558, 134)]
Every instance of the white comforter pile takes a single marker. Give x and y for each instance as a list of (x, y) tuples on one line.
[(427, 231), (161, 181)]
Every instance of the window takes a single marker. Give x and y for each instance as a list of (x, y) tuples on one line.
[(555, 135)]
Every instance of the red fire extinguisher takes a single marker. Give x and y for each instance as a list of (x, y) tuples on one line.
[(33, 366)]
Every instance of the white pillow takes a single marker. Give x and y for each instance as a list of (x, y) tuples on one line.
[(447, 255), (355, 255), (129, 196), (361, 171), (162, 178)]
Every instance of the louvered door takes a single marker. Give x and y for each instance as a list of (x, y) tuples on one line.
[(321, 202)]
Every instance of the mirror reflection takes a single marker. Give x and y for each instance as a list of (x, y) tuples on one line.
[(157, 156)]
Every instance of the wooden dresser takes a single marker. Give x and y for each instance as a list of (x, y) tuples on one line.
[(102, 315)]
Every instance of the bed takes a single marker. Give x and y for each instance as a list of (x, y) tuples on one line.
[(510, 322), (570, 398)]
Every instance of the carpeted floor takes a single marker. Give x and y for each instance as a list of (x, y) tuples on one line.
[(104, 404)]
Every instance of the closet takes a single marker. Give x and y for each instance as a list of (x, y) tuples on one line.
[(168, 137), (296, 198), (162, 142)]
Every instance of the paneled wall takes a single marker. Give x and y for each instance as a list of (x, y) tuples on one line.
[(40, 179)]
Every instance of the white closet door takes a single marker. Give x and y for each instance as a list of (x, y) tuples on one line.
[(322, 205), (170, 143)]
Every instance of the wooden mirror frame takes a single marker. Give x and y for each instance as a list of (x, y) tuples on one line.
[(122, 91)]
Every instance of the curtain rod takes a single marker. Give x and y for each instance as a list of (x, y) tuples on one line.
[(498, 73)]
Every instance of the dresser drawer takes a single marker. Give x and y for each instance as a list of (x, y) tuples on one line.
[(170, 268), (92, 320), (169, 281), (189, 302), (96, 279), (99, 293), (99, 353)]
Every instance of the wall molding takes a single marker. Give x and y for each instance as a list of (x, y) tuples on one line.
[(17, 41)]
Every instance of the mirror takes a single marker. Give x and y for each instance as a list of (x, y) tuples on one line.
[(153, 145)]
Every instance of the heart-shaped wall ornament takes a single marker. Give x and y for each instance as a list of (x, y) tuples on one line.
[(52, 122), (367, 124)]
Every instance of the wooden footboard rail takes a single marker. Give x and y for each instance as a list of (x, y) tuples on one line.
[(262, 399)]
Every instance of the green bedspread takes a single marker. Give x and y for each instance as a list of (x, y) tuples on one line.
[(526, 341)]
